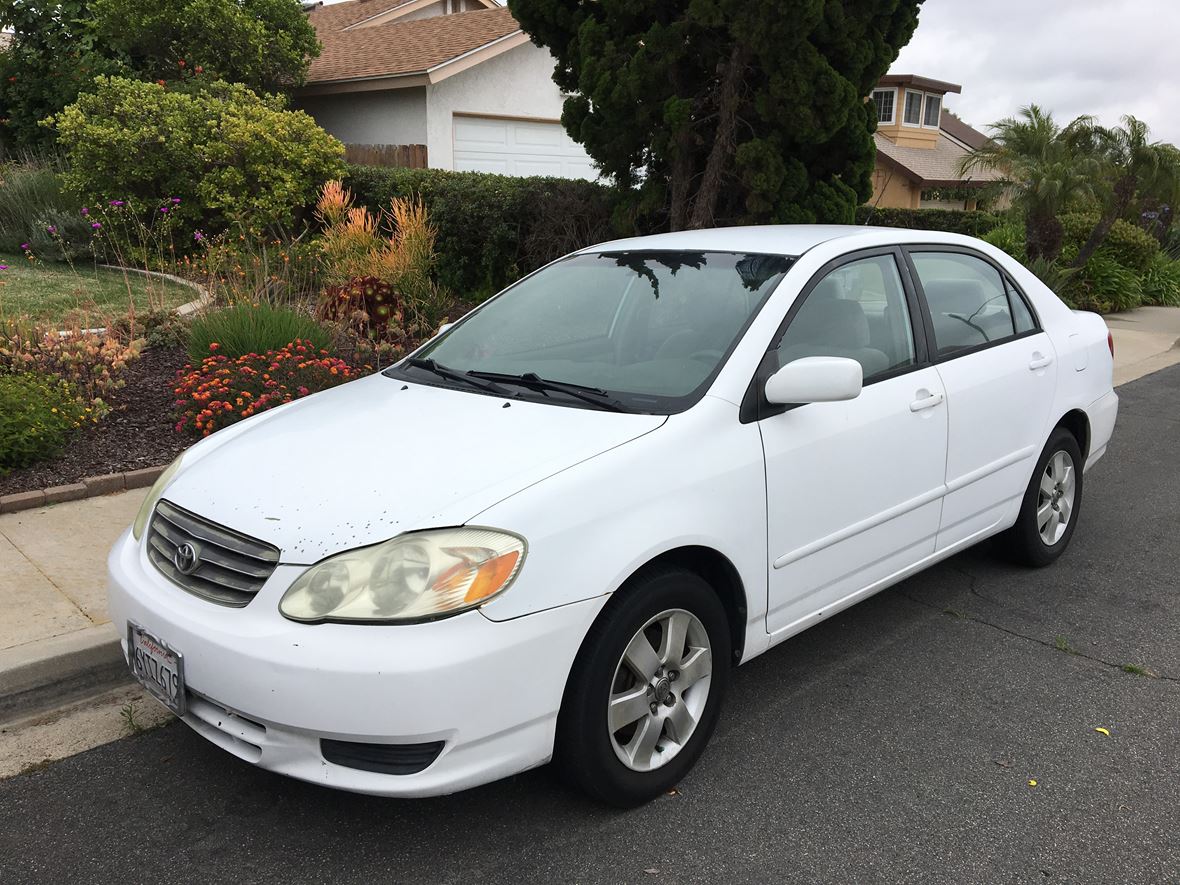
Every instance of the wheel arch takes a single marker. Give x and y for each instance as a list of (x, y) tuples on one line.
[(1077, 422)]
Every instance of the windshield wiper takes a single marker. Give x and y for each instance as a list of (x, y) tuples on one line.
[(453, 375), (593, 395)]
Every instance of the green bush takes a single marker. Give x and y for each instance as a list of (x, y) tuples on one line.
[(1009, 238), (231, 155), (492, 229), (32, 201), (1161, 282), (1104, 285), (1130, 246), (37, 416), (251, 328), (973, 223)]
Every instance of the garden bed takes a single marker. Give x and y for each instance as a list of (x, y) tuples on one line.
[(139, 432)]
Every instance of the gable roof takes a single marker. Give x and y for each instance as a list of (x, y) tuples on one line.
[(933, 167), (399, 48), (960, 131)]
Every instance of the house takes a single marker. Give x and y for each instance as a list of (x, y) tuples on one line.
[(921, 145), (448, 84)]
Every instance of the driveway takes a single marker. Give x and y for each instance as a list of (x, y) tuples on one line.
[(944, 731)]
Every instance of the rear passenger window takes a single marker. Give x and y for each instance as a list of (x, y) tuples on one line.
[(1021, 314), (857, 311), (967, 300)]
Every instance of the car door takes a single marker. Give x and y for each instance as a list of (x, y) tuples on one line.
[(853, 488), (1000, 374)]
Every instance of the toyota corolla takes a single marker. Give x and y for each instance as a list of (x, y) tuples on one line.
[(552, 531)]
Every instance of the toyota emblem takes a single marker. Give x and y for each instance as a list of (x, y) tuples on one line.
[(186, 558)]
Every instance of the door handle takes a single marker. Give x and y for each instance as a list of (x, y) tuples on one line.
[(1039, 361), (927, 402)]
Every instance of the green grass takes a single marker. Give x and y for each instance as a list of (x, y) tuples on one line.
[(1137, 670), (57, 293)]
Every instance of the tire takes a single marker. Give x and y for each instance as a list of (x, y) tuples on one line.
[(645, 757), (1033, 541)]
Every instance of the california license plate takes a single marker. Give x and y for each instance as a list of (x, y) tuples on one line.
[(158, 666)]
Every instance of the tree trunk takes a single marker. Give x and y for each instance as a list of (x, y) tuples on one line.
[(1124, 190), (680, 180), (728, 99), (1043, 237)]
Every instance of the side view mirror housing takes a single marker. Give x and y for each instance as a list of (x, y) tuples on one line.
[(815, 379)]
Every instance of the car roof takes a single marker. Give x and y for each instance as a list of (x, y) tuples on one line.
[(772, 239)]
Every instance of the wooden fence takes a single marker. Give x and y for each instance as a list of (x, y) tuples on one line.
[(412, 156)]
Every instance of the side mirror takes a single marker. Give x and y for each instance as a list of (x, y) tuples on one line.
[(815, 379), (443, 328)]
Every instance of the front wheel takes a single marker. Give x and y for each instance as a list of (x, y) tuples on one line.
[(1051, 505), (646, 690)]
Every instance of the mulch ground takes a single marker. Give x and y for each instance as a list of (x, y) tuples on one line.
[(139, 431)]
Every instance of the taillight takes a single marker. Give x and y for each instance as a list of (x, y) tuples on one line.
[(1110, 342)]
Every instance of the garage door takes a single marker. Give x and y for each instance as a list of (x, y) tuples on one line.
[(518, 147)]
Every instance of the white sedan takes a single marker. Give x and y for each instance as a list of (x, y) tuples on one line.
[(552, 531)]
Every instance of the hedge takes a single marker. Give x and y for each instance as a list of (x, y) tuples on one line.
[(492, 229), (974, 223)]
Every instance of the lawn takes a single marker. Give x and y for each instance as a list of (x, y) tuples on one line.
[(59, 293)]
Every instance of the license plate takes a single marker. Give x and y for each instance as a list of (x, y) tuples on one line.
[(156, 665)]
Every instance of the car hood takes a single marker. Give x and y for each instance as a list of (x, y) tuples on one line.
[(371, 459)]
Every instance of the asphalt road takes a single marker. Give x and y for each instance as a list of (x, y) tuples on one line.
[(895, 742)]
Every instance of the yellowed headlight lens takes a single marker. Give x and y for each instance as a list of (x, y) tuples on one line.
[(153, 496)]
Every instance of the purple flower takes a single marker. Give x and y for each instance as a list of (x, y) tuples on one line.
[(176, 199), (24, 247), (85, 211), (95, 226), (163, 208), (198, 236), (51, 229), (3, 267), (116, 203)]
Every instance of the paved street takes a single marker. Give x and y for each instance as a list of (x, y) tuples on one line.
[(896, 742)]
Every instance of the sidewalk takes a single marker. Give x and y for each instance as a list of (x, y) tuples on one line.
[(57, 643)]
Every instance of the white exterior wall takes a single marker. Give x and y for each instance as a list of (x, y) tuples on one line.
[(390, 116), (518, 83)]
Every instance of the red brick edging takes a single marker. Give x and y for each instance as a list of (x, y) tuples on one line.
[(90, 487)]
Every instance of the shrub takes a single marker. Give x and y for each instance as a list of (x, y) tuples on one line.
[(394, 246), (1103, 285), (367, 305), (222, 390), (157, 328), (92, 363), (242, 329), (1161, 282), (1130, 246), (233, 155), (37, 417), (1008, 237), (31, 201), (492, 229), (973, 223), (252, 267)]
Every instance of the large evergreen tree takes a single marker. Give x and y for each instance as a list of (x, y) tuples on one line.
[(721, 111)]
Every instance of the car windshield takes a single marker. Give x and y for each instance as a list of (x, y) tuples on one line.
[(639, 330)]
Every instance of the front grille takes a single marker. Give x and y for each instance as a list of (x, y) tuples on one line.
[(381, 758), (229, 568)]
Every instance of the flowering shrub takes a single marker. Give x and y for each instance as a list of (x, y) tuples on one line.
[(92, 363), (222, 390), (37, 416)]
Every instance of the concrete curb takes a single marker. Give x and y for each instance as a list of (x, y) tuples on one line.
[(56, 671), (90, 487)]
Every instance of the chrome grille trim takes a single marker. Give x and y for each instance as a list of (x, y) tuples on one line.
[(233, 567)]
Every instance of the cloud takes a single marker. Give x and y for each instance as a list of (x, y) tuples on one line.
[(1100, 57)]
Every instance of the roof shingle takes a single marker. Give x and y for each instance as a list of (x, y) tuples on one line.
[(938, 166), (400, 47)]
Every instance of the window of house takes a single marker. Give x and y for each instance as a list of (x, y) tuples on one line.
[(933, 111), (913, 108), (967, 300), (883, 101)]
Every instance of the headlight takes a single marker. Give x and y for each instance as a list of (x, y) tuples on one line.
[(414, 577), (149, 503)]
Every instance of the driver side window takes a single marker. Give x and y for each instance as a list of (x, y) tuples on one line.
[(857, 311)]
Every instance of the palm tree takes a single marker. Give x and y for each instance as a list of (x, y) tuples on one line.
[(1046, 167), (1132, 166)]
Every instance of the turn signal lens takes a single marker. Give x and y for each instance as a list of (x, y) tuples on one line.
[(153, 496), (414, 577)]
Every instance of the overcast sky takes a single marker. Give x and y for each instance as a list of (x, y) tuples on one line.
[(1101, 57)]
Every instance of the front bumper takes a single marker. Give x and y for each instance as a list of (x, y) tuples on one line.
[(268, 689)]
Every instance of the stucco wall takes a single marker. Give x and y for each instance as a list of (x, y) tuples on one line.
[(390, 116), (892, 190), (518, 83)]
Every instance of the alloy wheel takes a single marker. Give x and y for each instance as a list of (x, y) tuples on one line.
[(660, 689), (1055, 497)]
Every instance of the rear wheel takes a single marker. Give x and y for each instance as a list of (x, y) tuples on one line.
[(645, 692), (1051, 505)]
